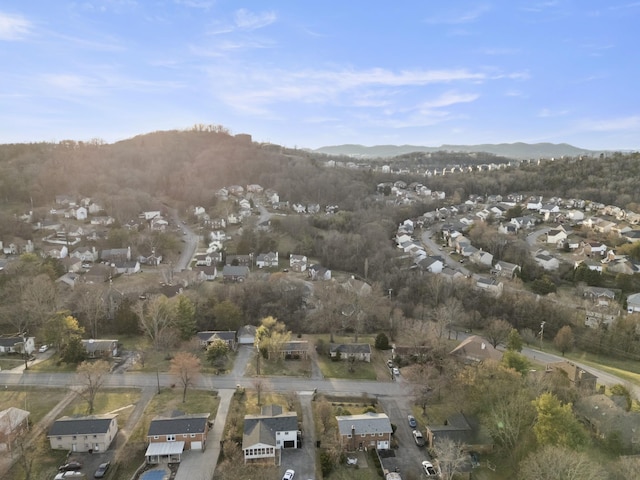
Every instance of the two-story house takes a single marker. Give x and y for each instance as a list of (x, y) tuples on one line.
[(370, 430), (265, 434), (168, 437)]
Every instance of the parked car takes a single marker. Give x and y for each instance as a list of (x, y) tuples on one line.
[(390, 363), (475, 461), (429, 469), (412, 421), (396, 371), (352, 461), (419, 438), (43, 348), (71, 474), (102, 470), (72, 465), (289, 474)]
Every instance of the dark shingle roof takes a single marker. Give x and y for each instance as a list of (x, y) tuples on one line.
[(195, 423), (263, 428), (350, 348), (92, 424)]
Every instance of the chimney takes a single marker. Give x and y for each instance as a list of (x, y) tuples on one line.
[(353, 437)]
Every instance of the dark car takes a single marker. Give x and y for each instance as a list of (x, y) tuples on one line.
[(412, 421), (102, 470), (73, 465)]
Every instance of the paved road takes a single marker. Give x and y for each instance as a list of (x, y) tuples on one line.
[(209, 382), (437, 249)]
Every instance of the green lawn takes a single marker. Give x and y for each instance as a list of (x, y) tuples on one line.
[(36, 401), (163, 404), (9, 363), (120, 401)]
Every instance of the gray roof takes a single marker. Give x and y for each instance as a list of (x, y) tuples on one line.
[(210, 335), (263, 428), (195, 423), (10, 341), (350, 348), (92, 424), (99, 345), (235, 271), (11, 418), (295, 346), (367, 423), (247, 330)]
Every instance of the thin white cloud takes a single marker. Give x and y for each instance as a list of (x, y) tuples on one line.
[(247, 20), (449, 98), (547, 112), (631, 123), (202, 4), (14, 27), (101, 84), (459, 17), (496, 51), (255, 91)]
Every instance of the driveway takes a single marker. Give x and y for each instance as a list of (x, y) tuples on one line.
[(408, 455), (303, 460), (196, 464)]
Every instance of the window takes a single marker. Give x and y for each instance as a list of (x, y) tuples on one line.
[(380, 434), (155, 437), (74, 437), (171, 438), (58, 438), (193, 435), (349, 436), (362, 435)]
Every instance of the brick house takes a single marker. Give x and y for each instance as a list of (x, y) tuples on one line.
[(370, 430)]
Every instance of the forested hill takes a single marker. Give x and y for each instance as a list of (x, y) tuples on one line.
[(188, 167), (183, 166), (509, 150)]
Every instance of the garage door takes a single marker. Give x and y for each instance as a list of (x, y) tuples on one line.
[(383, 445), (289, 444), (196, 445)]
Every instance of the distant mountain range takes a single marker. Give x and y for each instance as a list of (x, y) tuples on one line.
[(509, 150)]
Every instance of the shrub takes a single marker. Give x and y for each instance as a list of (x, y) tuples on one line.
[(382, 342)]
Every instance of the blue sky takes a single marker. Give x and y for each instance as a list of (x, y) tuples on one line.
[(309, 74)]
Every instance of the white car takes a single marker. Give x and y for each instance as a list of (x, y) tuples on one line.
[(289, 474), (43, 348), (419, 438), (396, 371), (429, 469)]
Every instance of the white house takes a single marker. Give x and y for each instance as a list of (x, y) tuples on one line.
[(265, 434), (298, 263), (633, 303), (546, 261), (81, 213), (17, 345)]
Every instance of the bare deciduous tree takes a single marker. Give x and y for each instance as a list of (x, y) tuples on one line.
[(156, 318), (451, 457), (92, 376), (259, 386), (90, 304), (497, 331), (560, 463), (186, 367)]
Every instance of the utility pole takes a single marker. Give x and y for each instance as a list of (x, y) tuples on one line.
[(541, 334)]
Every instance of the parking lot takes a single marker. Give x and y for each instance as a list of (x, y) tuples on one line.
[(90, 461)]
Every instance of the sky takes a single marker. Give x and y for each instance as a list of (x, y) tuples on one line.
[(308, 74)]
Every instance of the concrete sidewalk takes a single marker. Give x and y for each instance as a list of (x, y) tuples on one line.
[(201, 465)]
